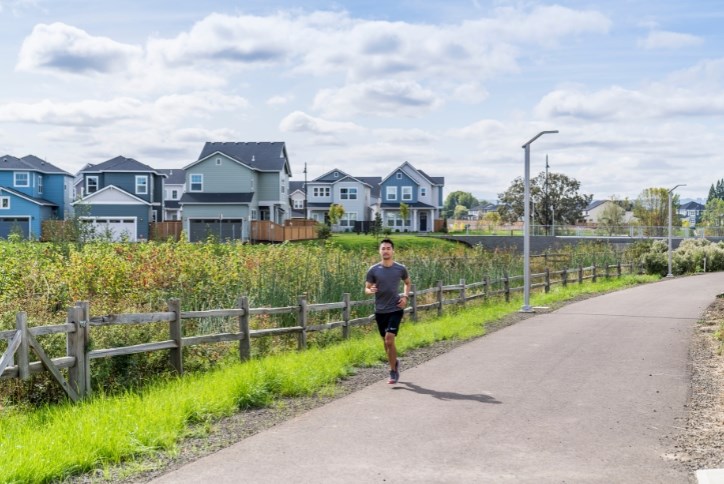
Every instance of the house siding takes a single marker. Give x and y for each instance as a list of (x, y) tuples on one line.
[(229, 177), (268, 190), (358, 206), (56, 189), (405, 181)]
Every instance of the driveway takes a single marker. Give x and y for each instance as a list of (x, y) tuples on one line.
[(586, 393)]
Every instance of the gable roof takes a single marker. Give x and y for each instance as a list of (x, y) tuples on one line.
[(261, 156), (29, 163), (216, 198), (35, 200), (296, 186), (401, 168), (110, 188), (329, 176), (121, 164), (174, 176), (594, 204), (692, 206)]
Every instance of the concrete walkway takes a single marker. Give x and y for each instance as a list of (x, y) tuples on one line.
[(582, 394)]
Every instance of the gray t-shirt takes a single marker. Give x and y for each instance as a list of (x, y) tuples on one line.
[(388, 285)]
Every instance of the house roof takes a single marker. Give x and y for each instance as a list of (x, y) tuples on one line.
[(296, 185), (110, 188), (329, 176), (262, 156), (374, 182), (37, 201), (594, 204), (692, 206), (215, 198), (172, 204), (29, 163), (174, 176), (121, 163), (435, 180)]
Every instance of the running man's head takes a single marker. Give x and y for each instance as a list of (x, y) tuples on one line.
[(387, 249)]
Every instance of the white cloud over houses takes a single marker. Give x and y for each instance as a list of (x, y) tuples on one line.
[(661, 39)]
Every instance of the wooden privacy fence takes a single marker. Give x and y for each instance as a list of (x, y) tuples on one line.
[(15, 361), (268, 231)]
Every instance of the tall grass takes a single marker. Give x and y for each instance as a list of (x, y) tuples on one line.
[(55, 442)]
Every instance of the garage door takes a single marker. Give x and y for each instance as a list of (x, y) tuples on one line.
[(116, 229), (10, 225), (201, 230)]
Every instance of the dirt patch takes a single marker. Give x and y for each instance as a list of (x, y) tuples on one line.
[(697, 444)]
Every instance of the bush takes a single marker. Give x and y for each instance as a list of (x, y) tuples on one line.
[(656, 260), (324, 231)]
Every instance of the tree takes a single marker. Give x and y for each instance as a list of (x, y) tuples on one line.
[(460, 212), (404, 213), (336, 212), (377, 225), (714, 213), (652, 209), (457, 198), (716, 192), (612, 217), (561, 200)]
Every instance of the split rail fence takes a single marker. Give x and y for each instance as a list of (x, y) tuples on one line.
[(15, 361)]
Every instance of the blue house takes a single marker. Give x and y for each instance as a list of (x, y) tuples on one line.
[(120, 197), (420, 192), (31, 191)]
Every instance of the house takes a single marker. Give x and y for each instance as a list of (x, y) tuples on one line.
[(31, 191), (479, 211), (232, 184), (691, 211), (356, 195), (298, 199), (596, 210), (120, 197), (173, 188), (420, 192)]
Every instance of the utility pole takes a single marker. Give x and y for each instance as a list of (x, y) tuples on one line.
[(306, 211), (545, 204)]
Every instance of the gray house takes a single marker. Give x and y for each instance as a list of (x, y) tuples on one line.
[(233, 184), (356, 194), (120, 197)]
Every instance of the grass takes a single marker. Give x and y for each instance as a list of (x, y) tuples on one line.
[(370, 243), (55, 442)]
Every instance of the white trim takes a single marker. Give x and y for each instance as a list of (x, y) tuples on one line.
[(141, 177), (15, 179), (1, 203), (388, 193), (132, 236), (130, 199), (402, 193), (87, 179), (191, 183)]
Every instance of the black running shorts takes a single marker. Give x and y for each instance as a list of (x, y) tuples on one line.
[(389, 322)]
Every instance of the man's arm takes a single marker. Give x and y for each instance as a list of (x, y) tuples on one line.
[(406, 293)]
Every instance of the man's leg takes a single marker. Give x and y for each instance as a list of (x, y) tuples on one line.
[(391, 350)]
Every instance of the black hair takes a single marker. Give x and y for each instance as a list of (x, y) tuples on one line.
[(387, 241)]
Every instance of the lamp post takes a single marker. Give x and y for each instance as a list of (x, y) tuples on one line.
[(526, 225), (671, 210)]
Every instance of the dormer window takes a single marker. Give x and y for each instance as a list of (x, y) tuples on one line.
[(399, 175), (22, 179), (141, 184)]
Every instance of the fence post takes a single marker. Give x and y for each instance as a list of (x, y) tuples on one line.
[(439, 298), (245, 342), (594, 272), (580, 274), (176, 333), (607, 272), (486, 287), (85, 325), (548, 281), (564, 277), (618, 269), (302, 338), (506, 286), (21, 324), (74, 346), (462, 292), (346, 315), (413, 295)]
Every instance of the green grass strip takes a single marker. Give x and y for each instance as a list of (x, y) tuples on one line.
[(58, 441)]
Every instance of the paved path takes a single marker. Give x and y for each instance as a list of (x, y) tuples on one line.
[(582, 394)]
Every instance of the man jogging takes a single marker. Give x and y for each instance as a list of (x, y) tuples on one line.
[(383, 280)]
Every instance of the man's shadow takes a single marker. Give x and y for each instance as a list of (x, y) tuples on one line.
[(480, 397)]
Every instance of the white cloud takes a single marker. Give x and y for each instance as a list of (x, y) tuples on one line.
[(279, 100), (387, 98), (661, 39), (471, 93), (302, 122), (81, 113), (63, 49)]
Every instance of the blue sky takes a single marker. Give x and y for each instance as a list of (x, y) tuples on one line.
[(455, 88)]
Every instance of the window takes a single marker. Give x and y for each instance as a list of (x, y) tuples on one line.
[(298, 204), (196, 182), (153, 216), (174, 194), (141, 184), (399, 175), (321, 191), (336, 174), (91, 184), (423, 192), (253, 214), (218, 161), (391, 193), (4, 203), (251, 184), (40, 183), (407, 193), (22, 179), (348, 219), (348, 193)]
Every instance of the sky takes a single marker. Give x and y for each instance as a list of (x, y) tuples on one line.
[(456, 88)]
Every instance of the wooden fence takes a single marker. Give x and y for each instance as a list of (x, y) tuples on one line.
[(268, 231), (15, 361)]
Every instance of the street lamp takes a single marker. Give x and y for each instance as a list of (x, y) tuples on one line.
[(526, 225), (670, 210)]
